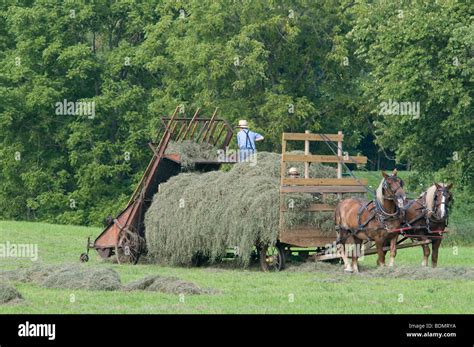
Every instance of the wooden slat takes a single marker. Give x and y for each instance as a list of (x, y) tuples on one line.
[(323, 182), (282, 175), (323, 189), (323, 159), (311, 208), (282, 163), (312, 137), (304, 236)]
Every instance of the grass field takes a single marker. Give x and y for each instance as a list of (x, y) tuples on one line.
[(296, 290)]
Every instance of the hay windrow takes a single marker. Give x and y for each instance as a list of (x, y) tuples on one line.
[(69, 276), (8, 293), (76, 276), (169, 285), (207, 213), (400, 272)]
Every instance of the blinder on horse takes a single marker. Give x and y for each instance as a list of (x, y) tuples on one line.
[(386, 186)]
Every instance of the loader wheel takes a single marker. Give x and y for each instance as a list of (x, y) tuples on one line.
[(272, 258), (84, 258), (129, 246)]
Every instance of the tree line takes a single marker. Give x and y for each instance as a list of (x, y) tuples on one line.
[(84, 83)]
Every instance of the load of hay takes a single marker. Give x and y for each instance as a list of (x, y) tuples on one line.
[(206, 213), (191, 152)]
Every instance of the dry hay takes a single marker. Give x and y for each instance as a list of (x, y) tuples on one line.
[(398, 272), (76, 276), (34, 274), (206, 213), (191, 152), (421, 273), (8, 293), (72, 276), (169, 285), (81, 277)]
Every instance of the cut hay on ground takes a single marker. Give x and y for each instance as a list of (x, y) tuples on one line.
[(170, 285), (207, 213), (81, 277), (76, 276), (401, 272), (8, 293), (71, 276)]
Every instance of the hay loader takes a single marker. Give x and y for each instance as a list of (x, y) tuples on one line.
[(124, 234)]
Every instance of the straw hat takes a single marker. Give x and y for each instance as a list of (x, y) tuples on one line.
[(293, 171), (243, 124)]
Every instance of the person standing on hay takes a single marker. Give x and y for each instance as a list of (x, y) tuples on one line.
[(246, 140)]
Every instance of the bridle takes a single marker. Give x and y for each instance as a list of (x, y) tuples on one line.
[(392, 197), (428, 214), (388, 188), (432, 215)]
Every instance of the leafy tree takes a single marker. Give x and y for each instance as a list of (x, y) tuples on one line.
[(419, 52)]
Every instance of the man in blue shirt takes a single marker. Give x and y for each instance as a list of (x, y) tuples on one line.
[(246, 140)]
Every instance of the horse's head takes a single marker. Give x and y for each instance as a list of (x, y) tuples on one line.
[(392, 189), (442, 199)]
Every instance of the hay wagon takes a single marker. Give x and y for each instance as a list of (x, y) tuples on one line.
[(124, 235), (308, 241)]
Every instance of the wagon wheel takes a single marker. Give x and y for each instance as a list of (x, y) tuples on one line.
[(272, 258), (84, 258), (129, 246)]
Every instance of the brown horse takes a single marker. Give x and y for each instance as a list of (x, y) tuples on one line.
[(371, 220), (427, 215)]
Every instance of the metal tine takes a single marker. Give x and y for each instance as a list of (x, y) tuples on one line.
[(191, 123), (219, 134), (183, 125), (175, 125), (211, 122), (212, 131), (195, 127), (203, 128)]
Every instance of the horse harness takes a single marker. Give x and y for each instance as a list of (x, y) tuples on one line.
[(427, 214), (376, 210)]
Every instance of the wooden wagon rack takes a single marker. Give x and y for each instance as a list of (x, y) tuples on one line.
[(309, 236)]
